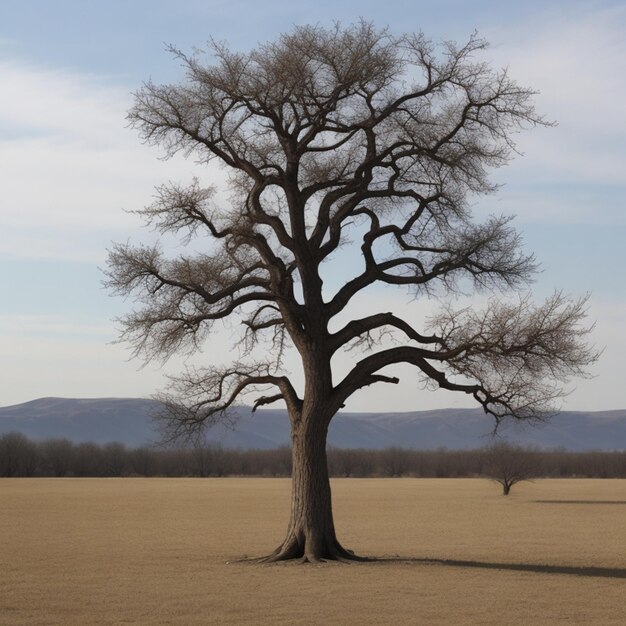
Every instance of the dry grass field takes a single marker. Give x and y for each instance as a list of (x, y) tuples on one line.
[(156, 551)]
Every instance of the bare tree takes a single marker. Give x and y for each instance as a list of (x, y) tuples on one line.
[(509, 464), (332, 135)]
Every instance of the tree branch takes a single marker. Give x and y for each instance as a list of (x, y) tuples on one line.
[(201, 398)]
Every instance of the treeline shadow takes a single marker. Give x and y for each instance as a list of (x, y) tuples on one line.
[(580, 501), (589, 571)]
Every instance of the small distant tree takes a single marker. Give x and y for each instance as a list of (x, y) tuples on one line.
[(333, 136), (509, 464)]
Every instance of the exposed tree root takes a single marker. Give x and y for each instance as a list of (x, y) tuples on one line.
[(295, 550)]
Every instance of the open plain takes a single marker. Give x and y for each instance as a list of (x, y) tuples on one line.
[(450, 551)]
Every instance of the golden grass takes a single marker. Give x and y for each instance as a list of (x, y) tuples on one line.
[(155, 551)]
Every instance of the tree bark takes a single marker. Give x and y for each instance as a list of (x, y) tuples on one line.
[(311, 533)]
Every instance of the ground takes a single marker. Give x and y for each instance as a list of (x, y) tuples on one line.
[(160, 551)]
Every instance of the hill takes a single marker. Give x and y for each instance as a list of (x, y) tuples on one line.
[(128, 421)]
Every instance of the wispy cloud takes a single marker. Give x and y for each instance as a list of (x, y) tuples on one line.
[(577, 60), (69, 163), (50, 325), (71, 107), (55, 366)]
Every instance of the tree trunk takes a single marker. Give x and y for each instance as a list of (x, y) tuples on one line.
[(506, 488), (311, 532)]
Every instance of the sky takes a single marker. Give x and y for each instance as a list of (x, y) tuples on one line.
[(70, 168)]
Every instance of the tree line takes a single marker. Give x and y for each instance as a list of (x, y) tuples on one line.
[(23, 457)]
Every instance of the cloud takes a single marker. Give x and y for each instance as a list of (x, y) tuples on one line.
[(605, 389), (576, 59), (51, 326), (54, 102), (36, 366), (70, 356), (57, 355), (69, 164)]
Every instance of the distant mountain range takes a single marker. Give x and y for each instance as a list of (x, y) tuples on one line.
[(128, 420)]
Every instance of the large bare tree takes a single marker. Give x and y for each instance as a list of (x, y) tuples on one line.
[(330, 135)]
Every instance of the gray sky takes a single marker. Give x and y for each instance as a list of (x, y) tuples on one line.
[(69, 167)]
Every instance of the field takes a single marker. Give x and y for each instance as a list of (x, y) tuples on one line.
[(157, 551)]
